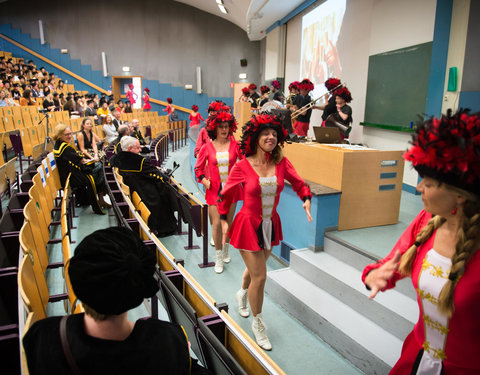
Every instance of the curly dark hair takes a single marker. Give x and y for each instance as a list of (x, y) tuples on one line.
[(252, 129), (215, 119)]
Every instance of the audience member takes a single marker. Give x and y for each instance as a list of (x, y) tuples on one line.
[(141, 176), (109, 129), (86, 177), (111, 272)]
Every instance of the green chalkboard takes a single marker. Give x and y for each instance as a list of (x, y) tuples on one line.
[(397, 85)]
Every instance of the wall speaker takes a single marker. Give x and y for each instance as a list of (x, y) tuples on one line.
[(243, 62)]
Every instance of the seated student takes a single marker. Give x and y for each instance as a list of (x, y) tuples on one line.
[(26, 99), (3, 97), (111, 272), (86, 178), (141, 176), (120, 106), (117, 121), (88, 141), (48, 102), (128, 107), (109, 129), (123, 130), (103, 111), (136, 133)]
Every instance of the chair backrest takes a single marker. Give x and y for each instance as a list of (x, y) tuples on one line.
[(37, 224), (28, 243), (217, 357), (136, 199), (179, 310), (27, 286), (10, 171), (54, 170)]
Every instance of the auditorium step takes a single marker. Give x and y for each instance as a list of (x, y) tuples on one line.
[(326, 294)]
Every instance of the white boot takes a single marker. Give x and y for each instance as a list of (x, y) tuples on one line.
[(241, 298), (260, 331), (212, 242), (219, 261), (226, 255)]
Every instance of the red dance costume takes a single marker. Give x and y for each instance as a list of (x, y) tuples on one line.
[(461, 352), (195, 119), (146, 102), (244, 230), (204, 138), (168, 109), (207, 160), (130, 96)]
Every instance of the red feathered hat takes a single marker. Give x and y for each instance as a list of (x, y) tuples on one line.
[(264, 89), (169, 100), (332, 83), (252, 86), (130, 86), (252, 129), (293, 85), (218, 106), (195, 108), (147, 90), (216, 118), (245, 91), (276, 84), (344, 93), (448, 150), (306, 84)]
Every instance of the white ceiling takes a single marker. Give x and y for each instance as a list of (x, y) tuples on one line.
[(253, 16)]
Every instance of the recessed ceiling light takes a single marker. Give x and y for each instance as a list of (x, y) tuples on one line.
[(222, 9), (126, 68), (242, 76)]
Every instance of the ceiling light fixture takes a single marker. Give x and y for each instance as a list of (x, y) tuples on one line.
[(220, 2), (222, 9)]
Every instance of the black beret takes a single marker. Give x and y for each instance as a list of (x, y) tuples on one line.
[(112, 271)]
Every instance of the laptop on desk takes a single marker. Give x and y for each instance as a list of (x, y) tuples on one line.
[(327, 135)]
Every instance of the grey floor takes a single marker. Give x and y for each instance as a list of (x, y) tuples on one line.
[(295, 349)]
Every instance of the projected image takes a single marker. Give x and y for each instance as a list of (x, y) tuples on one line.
[(320, 31)]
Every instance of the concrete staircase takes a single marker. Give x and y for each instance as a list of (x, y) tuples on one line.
[(324, 291)]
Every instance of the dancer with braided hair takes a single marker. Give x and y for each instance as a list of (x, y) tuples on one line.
[(257, 228), (439, 250)]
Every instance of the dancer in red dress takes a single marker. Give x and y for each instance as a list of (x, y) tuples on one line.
[(130, 94), (218, 156), (203, 137), (146, 100), (440, 250), (257, 228), (195, 117)]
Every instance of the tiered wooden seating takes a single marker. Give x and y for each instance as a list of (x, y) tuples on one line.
[(190, 305)]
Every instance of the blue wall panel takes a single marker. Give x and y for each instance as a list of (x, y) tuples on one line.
[(470, 99)]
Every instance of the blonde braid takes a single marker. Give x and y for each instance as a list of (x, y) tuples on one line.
[(406, 263), (467, 245)]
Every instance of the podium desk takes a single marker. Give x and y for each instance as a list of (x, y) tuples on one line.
[(370, 180)]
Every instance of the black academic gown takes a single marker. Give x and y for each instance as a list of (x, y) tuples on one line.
[(141, 176), (137, 134), (70, 161)]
